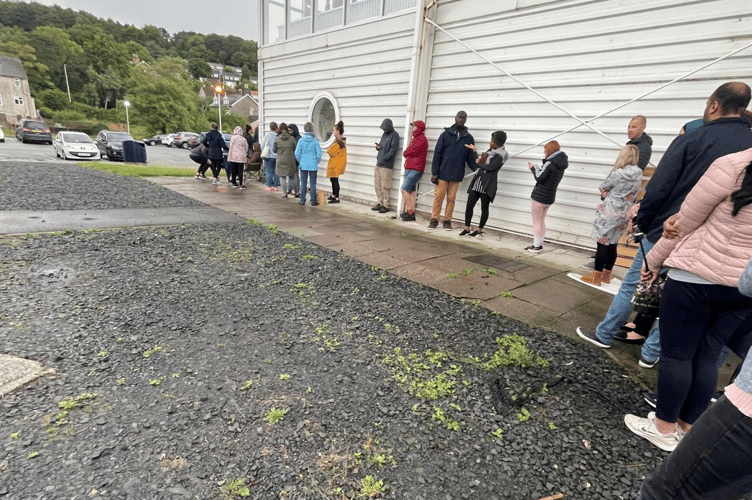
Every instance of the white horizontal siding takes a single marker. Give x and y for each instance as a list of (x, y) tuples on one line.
[(366, 68), (588, 57)]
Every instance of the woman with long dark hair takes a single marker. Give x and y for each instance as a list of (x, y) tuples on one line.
[(701, 307)]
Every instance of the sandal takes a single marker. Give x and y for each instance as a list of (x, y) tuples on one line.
[(629, 337)]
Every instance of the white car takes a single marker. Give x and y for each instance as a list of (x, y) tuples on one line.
[(2, 135), (167, 140), (75, 146)]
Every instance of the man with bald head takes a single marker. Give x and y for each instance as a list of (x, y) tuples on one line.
[(685, 161), (638, 137)]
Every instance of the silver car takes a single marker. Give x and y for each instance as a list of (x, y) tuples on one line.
[(75, 145)]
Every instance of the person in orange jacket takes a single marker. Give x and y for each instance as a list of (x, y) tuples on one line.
[(337, 160)]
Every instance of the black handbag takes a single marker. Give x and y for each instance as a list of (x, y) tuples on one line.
[(647, 296)]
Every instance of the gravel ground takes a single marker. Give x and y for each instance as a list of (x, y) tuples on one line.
[(54, 186), (174, 346)]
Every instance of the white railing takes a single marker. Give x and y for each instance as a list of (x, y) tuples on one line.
[(328, 19), (364, 9), (391, 6), (299, 28)]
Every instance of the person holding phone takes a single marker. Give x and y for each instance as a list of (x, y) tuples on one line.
[(386, 152)]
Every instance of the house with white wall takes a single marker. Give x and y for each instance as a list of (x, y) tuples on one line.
[(15, 97), (571, 70)]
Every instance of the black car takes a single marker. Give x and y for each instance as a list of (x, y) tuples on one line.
[(33, 131), (111, 143), (154, 140)]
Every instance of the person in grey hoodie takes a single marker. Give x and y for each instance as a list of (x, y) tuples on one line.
[(382, 179), (637, 136)]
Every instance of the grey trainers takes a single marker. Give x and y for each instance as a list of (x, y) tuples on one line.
[(448, 225), (433, 224), (645, 427), (591, 337)]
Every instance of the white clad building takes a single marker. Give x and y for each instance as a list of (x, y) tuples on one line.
[(532, 68)]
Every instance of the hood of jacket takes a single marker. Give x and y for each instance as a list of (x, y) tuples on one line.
[(238, 131), (452, 131), (420, 128), (559, 160), (284, 135), (295, 131), (387, 126), (643, 138)]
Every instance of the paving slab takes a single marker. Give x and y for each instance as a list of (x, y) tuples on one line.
[(16, 372), (567, 296)]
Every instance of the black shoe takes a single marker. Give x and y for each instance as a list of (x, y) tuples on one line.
[(433, 224), (464, 232), (383, 210), (534, 249), (591, 337), (334, 200), (476, 234), (651, 398), (330, 198), (403, 214), (644, 363), (409, 217), (376, 207), (314, 203)]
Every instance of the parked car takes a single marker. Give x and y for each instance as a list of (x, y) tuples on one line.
[(111, 143), (154, 140), (167, 139), (2, 135), (75, 145), (185, 140), (33, 131)]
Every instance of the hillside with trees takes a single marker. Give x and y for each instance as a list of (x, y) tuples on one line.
[(107, 62)]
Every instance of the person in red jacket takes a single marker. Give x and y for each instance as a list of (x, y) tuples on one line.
[(415, 164)]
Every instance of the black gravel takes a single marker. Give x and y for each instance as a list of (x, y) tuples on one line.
[(159, 330), (55, 186)]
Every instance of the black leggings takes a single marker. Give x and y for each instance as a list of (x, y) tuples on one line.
[(236, 168), (216, 166), (335, 186), (472, 199), (605, 257)]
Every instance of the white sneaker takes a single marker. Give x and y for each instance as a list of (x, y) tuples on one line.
[(645, 427)]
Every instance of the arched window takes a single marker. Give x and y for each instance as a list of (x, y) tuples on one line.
[(323, 114)]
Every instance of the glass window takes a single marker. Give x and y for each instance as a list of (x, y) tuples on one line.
[(324, 113), (17, 82), (1, 100), (299, 18), (18, 100), (274, 21)]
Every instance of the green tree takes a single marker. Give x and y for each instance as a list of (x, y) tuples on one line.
[(14, 43), (163, 97), (199, 68), (54, 48)]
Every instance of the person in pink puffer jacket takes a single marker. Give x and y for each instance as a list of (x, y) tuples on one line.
[(236, 157), (701, 306)]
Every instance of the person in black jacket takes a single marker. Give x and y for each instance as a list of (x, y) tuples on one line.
[(483, 185), (638, 137), (216, 144), (547, 179)]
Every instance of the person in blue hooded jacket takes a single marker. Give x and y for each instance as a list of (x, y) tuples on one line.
[(308, 153)]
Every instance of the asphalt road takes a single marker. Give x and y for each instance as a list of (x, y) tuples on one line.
[(13, 150)]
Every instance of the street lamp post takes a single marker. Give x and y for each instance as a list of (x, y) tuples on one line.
[(219, 90), (127, 104)]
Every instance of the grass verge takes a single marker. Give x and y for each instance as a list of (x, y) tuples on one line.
[(131, 170)]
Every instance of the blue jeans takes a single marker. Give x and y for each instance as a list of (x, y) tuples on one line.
[(304, 176), (713, 461), (621, 308), (270, 169)]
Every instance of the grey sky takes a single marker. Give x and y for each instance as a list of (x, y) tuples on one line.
[(227, 17)]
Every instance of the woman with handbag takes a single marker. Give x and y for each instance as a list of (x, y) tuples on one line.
[(701, 306), (618, 193)]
